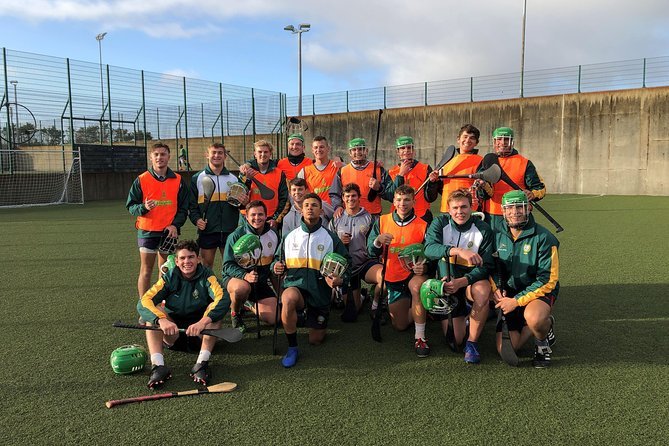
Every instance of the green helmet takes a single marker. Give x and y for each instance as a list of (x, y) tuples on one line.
[(502, 132), (333, 264), (434, 298), (357, 142), (168, 265), (411, 255), (511, 200), (514, 197), (247, 250), (403, 141), (128, 359), (296, 136)]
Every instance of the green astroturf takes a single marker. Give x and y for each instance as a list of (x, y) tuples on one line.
[(70, 271)]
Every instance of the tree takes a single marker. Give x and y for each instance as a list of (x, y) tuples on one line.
[(85, 135), (51, 136)]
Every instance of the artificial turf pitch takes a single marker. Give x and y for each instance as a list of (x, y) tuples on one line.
[(70, 271)]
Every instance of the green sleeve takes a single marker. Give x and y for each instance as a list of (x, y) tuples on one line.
[(547, 271), (387, 186), (372, 250), (533, 181), (135, 201), (193, 208), (221, 300), (230, 266), (434, 239), (283, 197), (183, 201)]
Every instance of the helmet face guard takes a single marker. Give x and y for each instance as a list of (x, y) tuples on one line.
[(505, 136), (247, 250), (238, 195), (411, 256), (333, 264), (167, 243), (516, 210), (128, 359), (434, 298)]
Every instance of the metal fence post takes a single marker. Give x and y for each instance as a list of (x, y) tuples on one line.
[(347, 109), (384, 97), (471, 89), (186, 122), (109, 108), (579, 79), (158, 121), (202, 117), (425, 94), (643, 85), (313, 104), (10, 132), (253, 112), (143, 110), (220, 99)]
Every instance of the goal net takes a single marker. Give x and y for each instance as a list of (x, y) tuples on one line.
[(40, 177)]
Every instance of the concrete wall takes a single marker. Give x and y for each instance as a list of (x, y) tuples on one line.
[(596, 143)]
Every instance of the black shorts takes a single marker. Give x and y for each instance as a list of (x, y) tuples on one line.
[(317, 317), (515, 321), (212, 240), (261, 290), (359, 276), (460, 309), (189, 344)]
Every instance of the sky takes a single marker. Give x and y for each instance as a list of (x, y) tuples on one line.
[(351, 44)]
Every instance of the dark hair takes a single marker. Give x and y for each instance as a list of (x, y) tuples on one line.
[(217, 145), (256, 204), (299, 182), (314, 196), (320, 138), (458, 194), (405, 189), (190, 245), (351, 187), (470, 129), (160, 145)]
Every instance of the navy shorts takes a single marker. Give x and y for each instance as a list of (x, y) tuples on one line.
[(212, 240), (149, 244), (261, 290)]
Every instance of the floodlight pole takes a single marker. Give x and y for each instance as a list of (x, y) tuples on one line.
[(522, 51), (302, 28), (99, 38)]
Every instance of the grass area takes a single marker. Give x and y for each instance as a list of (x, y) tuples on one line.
[(70, 271)]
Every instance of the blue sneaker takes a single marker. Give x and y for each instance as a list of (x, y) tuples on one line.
[(472, 355), (290, 359)]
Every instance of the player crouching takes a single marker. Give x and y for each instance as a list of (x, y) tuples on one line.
[(394, 232), (305, 249), (528, 265), (464, 245), (193, 300)]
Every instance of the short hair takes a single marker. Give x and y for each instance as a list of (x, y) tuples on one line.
[(405, 189), (161, 145), (470, 129), (190, 245), (314, 196), (351, 187), (217, 145), (299, 182), (459, 194), (320, 138), (263, 143), (256, 204)]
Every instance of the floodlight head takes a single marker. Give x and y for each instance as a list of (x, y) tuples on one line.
[(304, 26), (100, 36), (14, 82), (290, 28)]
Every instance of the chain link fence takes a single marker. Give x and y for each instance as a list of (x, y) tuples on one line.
[(637, 73)]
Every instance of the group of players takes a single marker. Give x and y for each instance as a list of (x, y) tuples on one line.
[(485, 250)]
